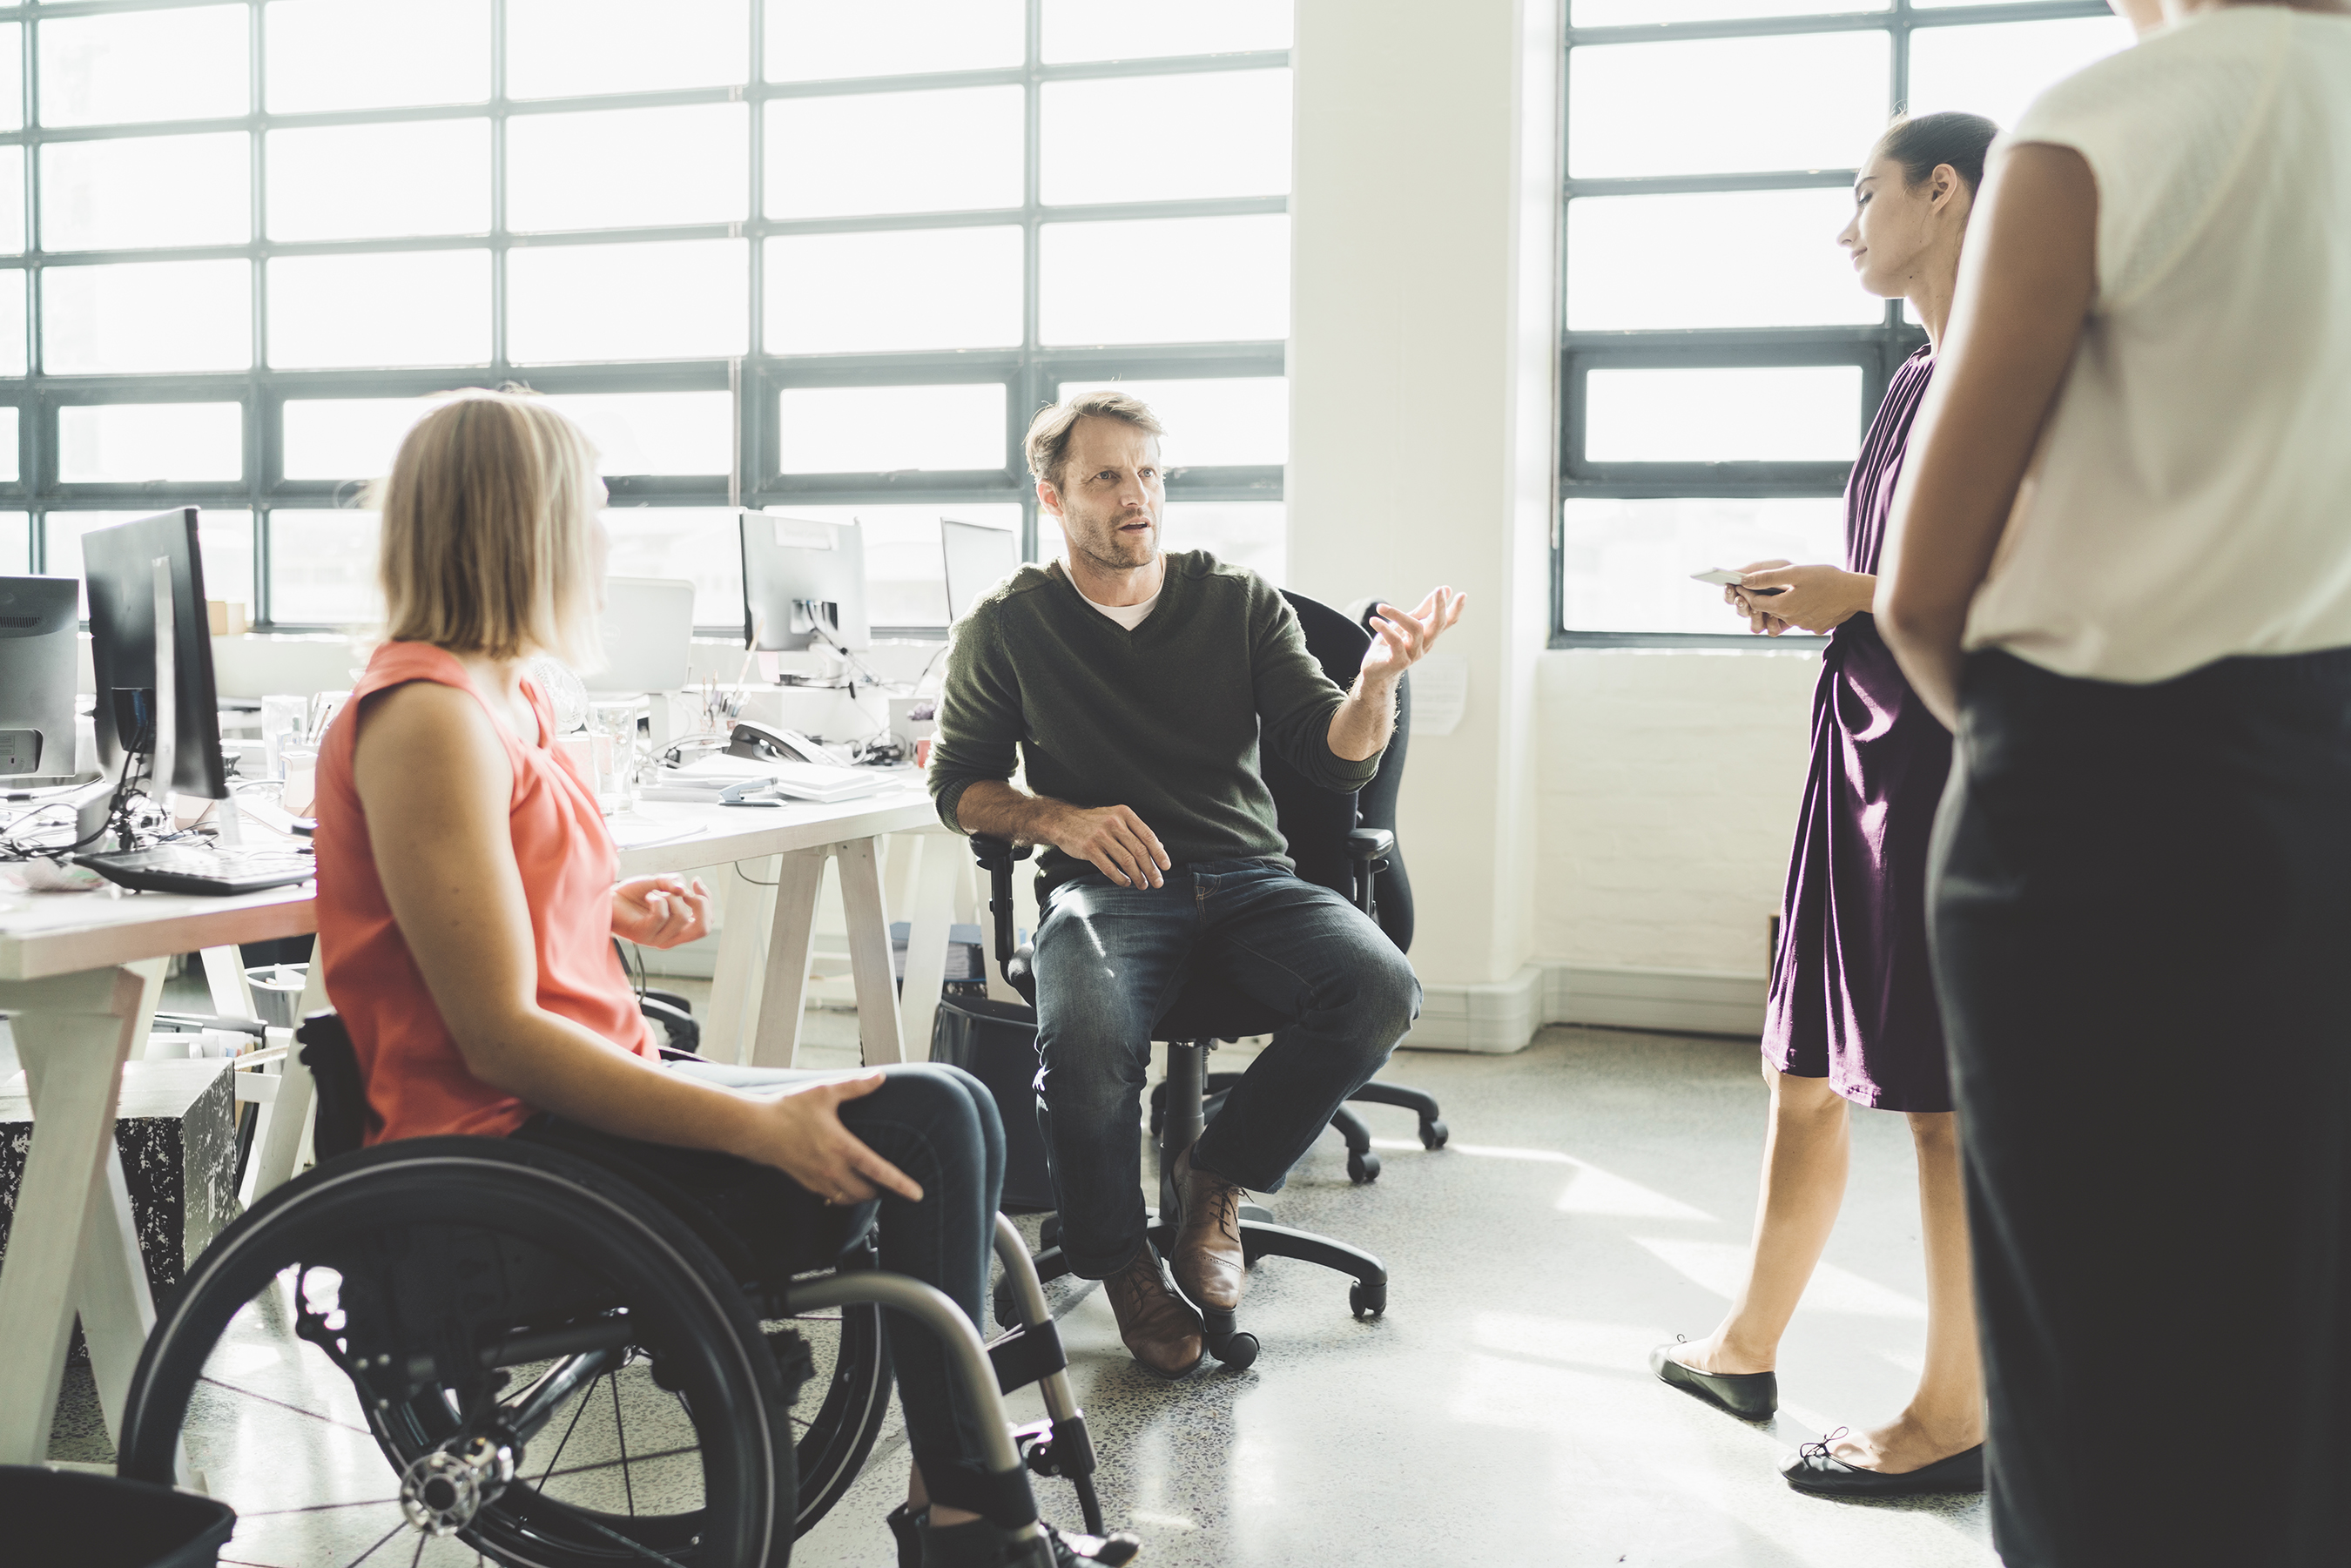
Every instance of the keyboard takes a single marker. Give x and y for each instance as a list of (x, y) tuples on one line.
[(216, 873)]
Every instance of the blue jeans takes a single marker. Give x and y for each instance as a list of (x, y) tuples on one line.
[(1109, 963), (936, 1124)]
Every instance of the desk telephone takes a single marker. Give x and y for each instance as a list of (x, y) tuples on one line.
[(760, 743)]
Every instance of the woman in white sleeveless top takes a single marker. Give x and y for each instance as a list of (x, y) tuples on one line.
[(2121, 570)]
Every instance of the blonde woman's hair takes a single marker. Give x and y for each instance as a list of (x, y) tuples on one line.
[(487, 518)]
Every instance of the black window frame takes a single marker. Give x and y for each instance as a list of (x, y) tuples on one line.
[(1878, 349), (1029, 372)]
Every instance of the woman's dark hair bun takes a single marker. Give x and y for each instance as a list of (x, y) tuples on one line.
[(1924, 142)]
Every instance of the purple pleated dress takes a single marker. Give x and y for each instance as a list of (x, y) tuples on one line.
[(1851, 998)]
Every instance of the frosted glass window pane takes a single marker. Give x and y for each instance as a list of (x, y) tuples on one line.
[(379, 182), (952, 151), (628, 168), (1166, 139), (1719, 106), (817, 40), (682, 299), (12, 201), (567, 48), (348, 438), (416, 307), (894, 288), (322, 567), (137, 65), (1661, 13), (147, 316), (1254, 534), (1657, 262), (15, 542), (1165, 281), (889, 430), (12, 322), (133, 442), (701, 544), (1212, 422), (1777, 414), (333, 54), (906, 569), (1121, 30), (12, 82), (147, 190), (9, 469), (655, 432), (1625, 566), (224, 544), (1999, 70)]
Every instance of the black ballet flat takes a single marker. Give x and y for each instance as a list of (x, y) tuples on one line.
[(1812, 1470), (1750, 1395)]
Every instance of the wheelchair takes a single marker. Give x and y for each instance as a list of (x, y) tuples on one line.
[(486, 1349)]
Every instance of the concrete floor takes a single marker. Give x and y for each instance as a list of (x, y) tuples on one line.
[(1595, 1200)]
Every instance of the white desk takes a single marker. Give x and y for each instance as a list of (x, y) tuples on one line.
[(79, 973)]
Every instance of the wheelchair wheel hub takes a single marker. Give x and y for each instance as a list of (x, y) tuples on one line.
[(441, 1491)]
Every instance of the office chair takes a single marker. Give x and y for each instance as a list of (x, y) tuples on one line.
[(1329, 847), (1337, 641)]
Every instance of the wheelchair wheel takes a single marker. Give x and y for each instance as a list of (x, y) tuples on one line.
[(845, 1399), (558, 1374)]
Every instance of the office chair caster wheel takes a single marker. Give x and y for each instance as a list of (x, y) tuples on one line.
[(1238, 1352), (1368, 1301), (1364, 1168), (1433, 1134)]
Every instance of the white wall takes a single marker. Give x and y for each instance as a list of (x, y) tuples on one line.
[(1423, 340), (1603, 837), (1670, 784)]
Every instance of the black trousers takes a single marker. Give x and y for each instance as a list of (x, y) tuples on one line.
[(2141, 921), (936, 1124)]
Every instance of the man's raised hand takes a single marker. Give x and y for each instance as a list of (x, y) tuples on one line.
[(1401, 637)]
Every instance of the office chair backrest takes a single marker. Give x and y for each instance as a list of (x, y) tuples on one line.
[(1375, 805), (1316, 822)]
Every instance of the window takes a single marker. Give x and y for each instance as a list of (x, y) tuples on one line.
[(797, 254), (1711, 408)]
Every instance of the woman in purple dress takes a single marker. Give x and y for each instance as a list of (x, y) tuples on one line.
[(1852, 1013)]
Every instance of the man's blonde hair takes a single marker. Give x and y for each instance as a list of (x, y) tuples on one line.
[(488, 515), (1047, 444)]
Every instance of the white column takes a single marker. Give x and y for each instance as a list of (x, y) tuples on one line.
[(1423, 354)]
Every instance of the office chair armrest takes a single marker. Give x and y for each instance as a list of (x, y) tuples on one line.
[(1368, 851), (997, 855)]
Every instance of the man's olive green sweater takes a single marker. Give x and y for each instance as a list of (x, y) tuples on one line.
[(1166, 720)]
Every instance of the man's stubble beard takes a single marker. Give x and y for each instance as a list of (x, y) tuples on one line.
[(1108, 555)]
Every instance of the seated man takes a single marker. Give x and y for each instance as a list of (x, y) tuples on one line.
[(1137, 688)]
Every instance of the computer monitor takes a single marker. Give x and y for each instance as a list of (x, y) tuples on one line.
[(164, 703), (978, 559), (648, 632), (37, 625), (803, 584)]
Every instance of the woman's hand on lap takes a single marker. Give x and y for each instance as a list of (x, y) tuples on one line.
[(800, 1132), (661, 911)]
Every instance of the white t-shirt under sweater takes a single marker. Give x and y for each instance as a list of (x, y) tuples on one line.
[(2190, 498), (1127, 615)]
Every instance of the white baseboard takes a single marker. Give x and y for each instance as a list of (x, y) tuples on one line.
[(1696, 1001), (1496, 1018), (1502, 1017)]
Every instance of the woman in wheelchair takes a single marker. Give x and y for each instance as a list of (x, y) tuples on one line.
[(466, 908)]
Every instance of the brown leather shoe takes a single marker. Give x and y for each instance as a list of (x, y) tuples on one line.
[(1208, 1262), (1163, 1333)]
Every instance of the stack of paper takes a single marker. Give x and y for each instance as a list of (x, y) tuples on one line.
[(704, 779)]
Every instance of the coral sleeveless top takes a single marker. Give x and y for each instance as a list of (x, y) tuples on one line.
[(417, 1084)]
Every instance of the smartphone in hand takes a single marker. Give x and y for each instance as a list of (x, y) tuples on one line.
[(1732, 579)]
